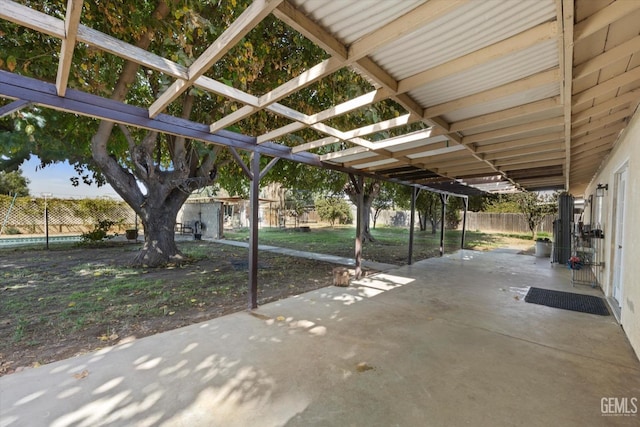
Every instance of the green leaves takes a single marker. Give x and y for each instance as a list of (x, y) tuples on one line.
[(13, 183)]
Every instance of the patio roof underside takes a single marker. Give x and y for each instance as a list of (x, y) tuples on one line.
[(529, 94)]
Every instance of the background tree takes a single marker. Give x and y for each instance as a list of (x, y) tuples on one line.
[(297, 203), (385, 200), (427, 206), (12, 183), (452, 215), (531, 205), (501, 203), (535, 206), (371, 190), (332, 209)]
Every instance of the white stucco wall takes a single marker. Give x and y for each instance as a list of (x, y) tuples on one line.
[(208, 212), (626, 152)]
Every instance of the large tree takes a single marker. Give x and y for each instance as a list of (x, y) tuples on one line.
[(386, 200), (428, 207), (154, 173)]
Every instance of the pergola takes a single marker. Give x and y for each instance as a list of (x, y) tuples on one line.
[(516, 94)]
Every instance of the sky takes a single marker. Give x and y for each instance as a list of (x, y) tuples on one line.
[(54, 179)]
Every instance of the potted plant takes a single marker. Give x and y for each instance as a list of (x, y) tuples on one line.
[(131, 234), (543, 247)]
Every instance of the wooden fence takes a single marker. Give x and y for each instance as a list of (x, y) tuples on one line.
[(505, 223)]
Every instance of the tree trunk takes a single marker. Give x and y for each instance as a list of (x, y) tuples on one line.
[(371, 191), (159, 221), (434, 226), (159, 245), (422, 221), (366, 219)]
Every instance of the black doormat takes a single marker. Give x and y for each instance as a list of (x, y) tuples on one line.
[(567, 301)]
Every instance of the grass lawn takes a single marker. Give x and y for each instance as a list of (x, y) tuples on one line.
[(391, 245)]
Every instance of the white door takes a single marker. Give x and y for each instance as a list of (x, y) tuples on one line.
[(621, 183)]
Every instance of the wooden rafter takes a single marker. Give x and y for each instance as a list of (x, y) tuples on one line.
[(540, 79), (566, 51), (12, 107), (619, 101), (505, 115), (615, 11), (71, 24), (610, 85), (516, 43), (570, 130), (248, 19), (547, 124), (521, 142)]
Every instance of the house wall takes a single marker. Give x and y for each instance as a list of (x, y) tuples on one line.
[(627, 151), (209, 213)]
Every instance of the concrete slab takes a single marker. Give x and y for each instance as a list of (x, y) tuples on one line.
[(444, 342)]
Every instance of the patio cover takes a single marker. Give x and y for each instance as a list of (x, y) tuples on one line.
[(528, 94)]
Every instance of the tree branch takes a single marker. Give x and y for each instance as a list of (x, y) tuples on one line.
[(120, 179)]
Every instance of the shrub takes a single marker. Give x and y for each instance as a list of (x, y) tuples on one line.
[(100, 232)]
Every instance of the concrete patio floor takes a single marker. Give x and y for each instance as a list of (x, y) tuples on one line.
[(445, 342)]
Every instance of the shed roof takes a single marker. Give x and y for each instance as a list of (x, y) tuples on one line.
[(532, 94)]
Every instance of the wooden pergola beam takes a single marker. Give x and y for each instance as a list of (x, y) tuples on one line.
[(522, 142), (248, 19), (604, 17), (558, 154), (12, 107), (567, 11), (406, 24), (456, 164), (30, 18), (447, 161), (403, 120), (329, 113), (71, 24), (297, 20), (481, 169), (601, 133), (552, 123), (533, 165), (531, 82), (607, 58), (41, 93), (336, 155), (315, 144), (505, 115), (398, 155), (600, 123), (526, 151), (523, 40), (603, 107), (610, 85)]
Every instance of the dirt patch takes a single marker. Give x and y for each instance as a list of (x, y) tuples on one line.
[(64, 302)]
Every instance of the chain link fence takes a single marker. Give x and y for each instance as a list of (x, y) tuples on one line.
[(26, 215)]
